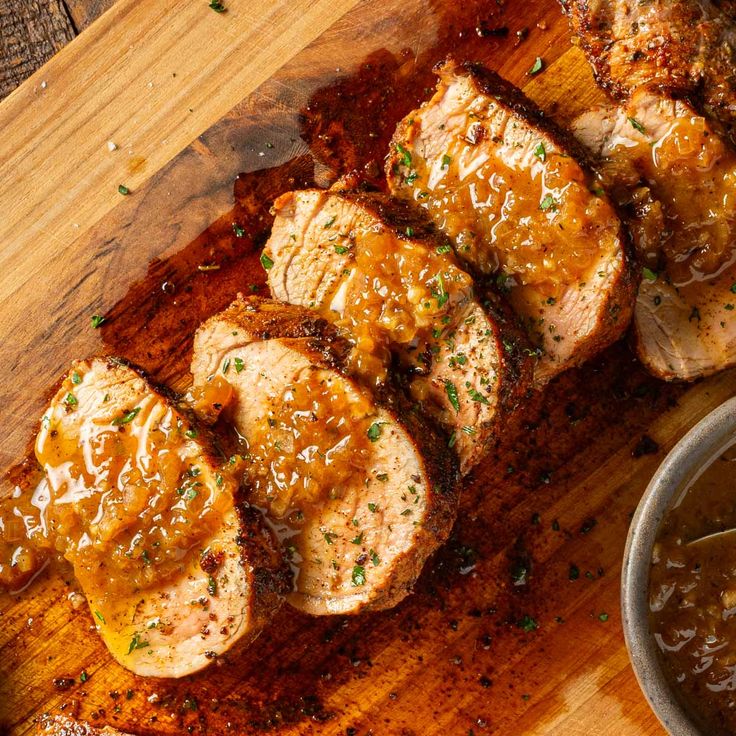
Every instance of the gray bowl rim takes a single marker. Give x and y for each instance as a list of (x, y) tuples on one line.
[(684, 463)]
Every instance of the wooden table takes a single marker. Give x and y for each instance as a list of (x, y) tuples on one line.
[(174, 100), (32, 31)]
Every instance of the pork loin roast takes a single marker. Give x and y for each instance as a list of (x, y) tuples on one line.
[(685, 45), (174, 568), (395, 290), (676, 178), (500, 181), (359, 497)]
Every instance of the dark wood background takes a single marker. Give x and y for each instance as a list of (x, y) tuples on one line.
[(32, 31)]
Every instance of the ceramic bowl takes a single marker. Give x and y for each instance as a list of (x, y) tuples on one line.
[(690, 456)]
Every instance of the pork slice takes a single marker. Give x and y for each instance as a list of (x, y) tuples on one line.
[(685, 45), (174, 567), (675, 177), (511, 193), (395, 290), (359, 496)]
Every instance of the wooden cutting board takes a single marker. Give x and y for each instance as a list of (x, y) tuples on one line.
[(502, 636)]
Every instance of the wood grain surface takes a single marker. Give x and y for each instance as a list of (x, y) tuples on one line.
[(192, 98)]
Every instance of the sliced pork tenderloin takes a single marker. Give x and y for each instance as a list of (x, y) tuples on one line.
[(395, 289), (359, 496), (175, 569), (511, 193), (675, 177)]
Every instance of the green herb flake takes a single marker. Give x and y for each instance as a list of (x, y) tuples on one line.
[(541, 152), (446, 161), (648, 274), (374, 558), (218, 479), (441, 293), (405, 155), (84, 676), (341, 250), (636, 125), (70, 400), (410, 232), (537, 66), (477, 396), (358, 539), (527, 623), (266, 262), (603, 616), (239, 364), (330, 222), (217, 6), (226, 365), (373, 507), (239, 232), (451, 391), (358, 575), (330, 537), (136, 643), (76, 378), (442, 249), (374, 431), (100, 617), (211, 585), (97, 320), (126, 418), (191, 433), (122, 189), (548, 203), (573, 572)]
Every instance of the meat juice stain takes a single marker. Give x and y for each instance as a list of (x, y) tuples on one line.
[(286, 676)]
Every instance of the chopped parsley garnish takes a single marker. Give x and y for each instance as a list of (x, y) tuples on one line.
[(446, 161), (266, 262), (636, 125), (76, 378), (537, 66), (451, 391), (218, 479), (374, 558), (239, 365), (97, 320), (374, 431), (574, 572), (136, 643), (226, 365), (126, 418), (330, 222), (548, 203), (733, 288), (191, 433), (70, 400), (411, 178), (358, 539), (405, 155), (603, 616), (527, 623), (217, 6), (477, 396), (84, 676), (123, 189), (373, 507), (211, 585), (442, 249), (358, 575), (100, 616), (410, 232), (648, 274), (441, 293), (541, 152), (341, 250), (330, 537), (239, 232)]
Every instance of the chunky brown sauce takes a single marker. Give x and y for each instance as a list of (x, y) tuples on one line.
[(129, 488), (688, 226), (397, 293), (512, 202), (693, 595)]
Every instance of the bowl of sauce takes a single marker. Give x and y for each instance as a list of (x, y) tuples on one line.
[(678, 591)]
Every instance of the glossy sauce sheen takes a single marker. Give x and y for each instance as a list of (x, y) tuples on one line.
[(129, 491), (689, 229), (693, 596), (513, 202)]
